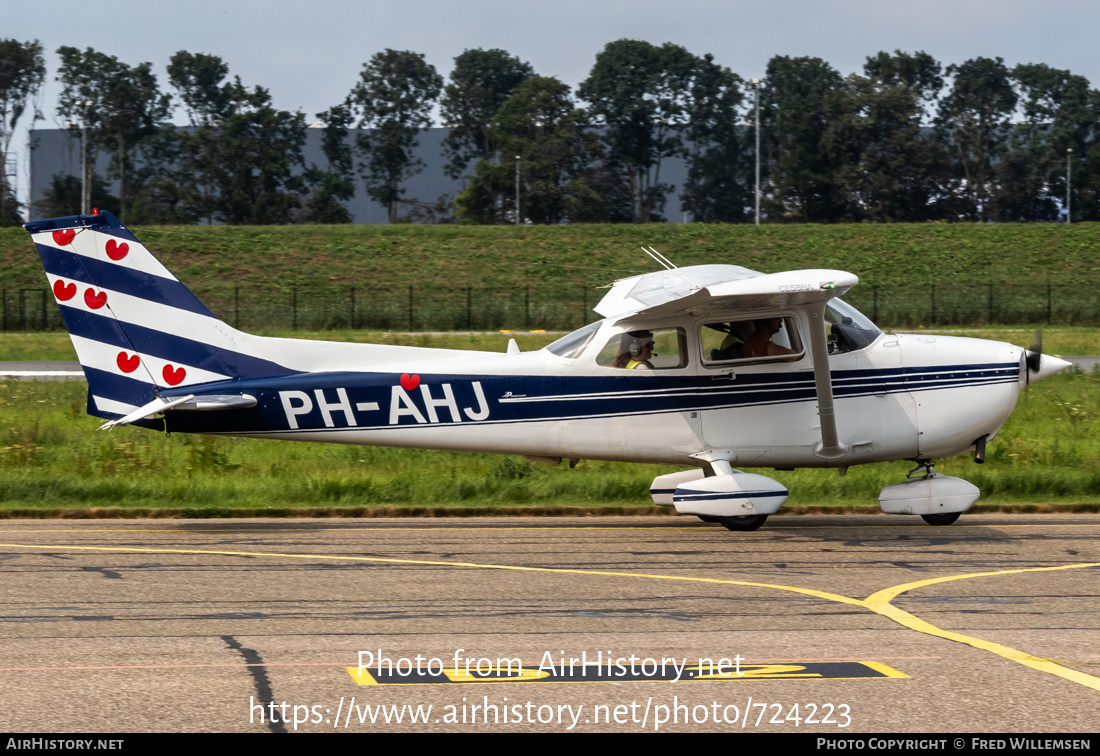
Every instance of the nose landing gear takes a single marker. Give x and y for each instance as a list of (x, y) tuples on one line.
[(938, 499)]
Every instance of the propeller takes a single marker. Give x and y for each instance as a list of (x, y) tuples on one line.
[(1040, 366), (1033, 357), (1034, 353)]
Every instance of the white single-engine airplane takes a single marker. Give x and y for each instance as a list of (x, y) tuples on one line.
[(709, 366)]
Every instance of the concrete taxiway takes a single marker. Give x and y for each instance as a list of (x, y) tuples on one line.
[(988, 625)]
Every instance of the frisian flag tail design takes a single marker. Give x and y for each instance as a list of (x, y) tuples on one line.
[(136, 329)]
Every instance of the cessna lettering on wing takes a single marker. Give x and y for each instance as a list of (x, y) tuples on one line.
[(430, 404)]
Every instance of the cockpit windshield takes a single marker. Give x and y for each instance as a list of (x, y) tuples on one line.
[(572, 345), (849, 329)]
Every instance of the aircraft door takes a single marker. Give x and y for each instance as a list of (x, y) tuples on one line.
[(755, 385)]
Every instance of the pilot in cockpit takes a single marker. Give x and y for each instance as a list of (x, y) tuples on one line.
[(760, 344)]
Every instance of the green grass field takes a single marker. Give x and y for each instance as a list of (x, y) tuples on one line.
[(487, 277), (896, 254)]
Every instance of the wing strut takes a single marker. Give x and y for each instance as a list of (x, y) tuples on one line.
[(831, 447)]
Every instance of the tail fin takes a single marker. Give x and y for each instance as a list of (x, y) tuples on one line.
[(136, 329)]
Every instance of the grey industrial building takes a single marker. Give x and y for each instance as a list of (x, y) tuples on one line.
[(55, 151)]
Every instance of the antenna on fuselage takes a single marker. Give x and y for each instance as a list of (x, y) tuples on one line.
[(661, 259)]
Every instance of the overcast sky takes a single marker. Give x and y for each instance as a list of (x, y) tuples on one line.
[(308, 54)]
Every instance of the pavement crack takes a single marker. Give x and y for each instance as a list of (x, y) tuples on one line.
[(258, 671), (109, 574)]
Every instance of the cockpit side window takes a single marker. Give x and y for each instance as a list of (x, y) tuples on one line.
[(849, 330), (750, 340), (658, 349), (572, 345)]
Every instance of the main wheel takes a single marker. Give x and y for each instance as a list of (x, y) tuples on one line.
[(941, 519), (746, 522)]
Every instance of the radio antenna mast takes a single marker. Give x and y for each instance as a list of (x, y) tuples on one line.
[(661, 259)]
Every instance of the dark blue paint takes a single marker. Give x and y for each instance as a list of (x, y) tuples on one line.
[(108, 275)]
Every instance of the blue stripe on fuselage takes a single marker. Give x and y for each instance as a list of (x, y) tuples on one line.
[(512, 399)]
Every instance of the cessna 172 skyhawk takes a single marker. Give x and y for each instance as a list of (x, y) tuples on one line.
[(708, 366)]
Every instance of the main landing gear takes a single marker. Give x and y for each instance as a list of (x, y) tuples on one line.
[(744, 522)]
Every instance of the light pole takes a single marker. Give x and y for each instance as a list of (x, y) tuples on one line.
[(85, 182), (1069, 215), (517, 189), (756, 84)]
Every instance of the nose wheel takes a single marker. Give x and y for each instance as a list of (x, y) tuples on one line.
[(941, 519)]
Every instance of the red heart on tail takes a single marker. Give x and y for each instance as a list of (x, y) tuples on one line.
[(409, 382), (126, 363), (117, 251), (63, 237), (93, 300), (64, 292), (173, 376)]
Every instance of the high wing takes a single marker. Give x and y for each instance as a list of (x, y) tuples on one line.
[(718, 289), (721, 290)]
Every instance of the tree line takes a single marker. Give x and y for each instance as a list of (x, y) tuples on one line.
[(906, 139)]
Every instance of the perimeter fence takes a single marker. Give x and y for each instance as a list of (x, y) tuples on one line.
[(565, 307)]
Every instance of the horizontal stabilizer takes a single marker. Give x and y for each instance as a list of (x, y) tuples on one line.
[(218, 402), (190, 402), (157, 405)]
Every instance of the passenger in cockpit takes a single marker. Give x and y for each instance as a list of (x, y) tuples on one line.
[(635, 351), (733, 346)]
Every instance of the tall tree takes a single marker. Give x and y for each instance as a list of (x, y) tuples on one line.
[(798, 101), (22, 73), (975, 115), (163, 188), (717, 187), (333, 185), (557, 151), (126, 107), (62, 197), (134, 110), (1059, 113), (481, 82), (201, 85), (640, 93), (889, 167), (393, 102), (260, 163)]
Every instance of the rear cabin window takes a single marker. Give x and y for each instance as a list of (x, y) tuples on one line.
[(752, 340), (660, 349)]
